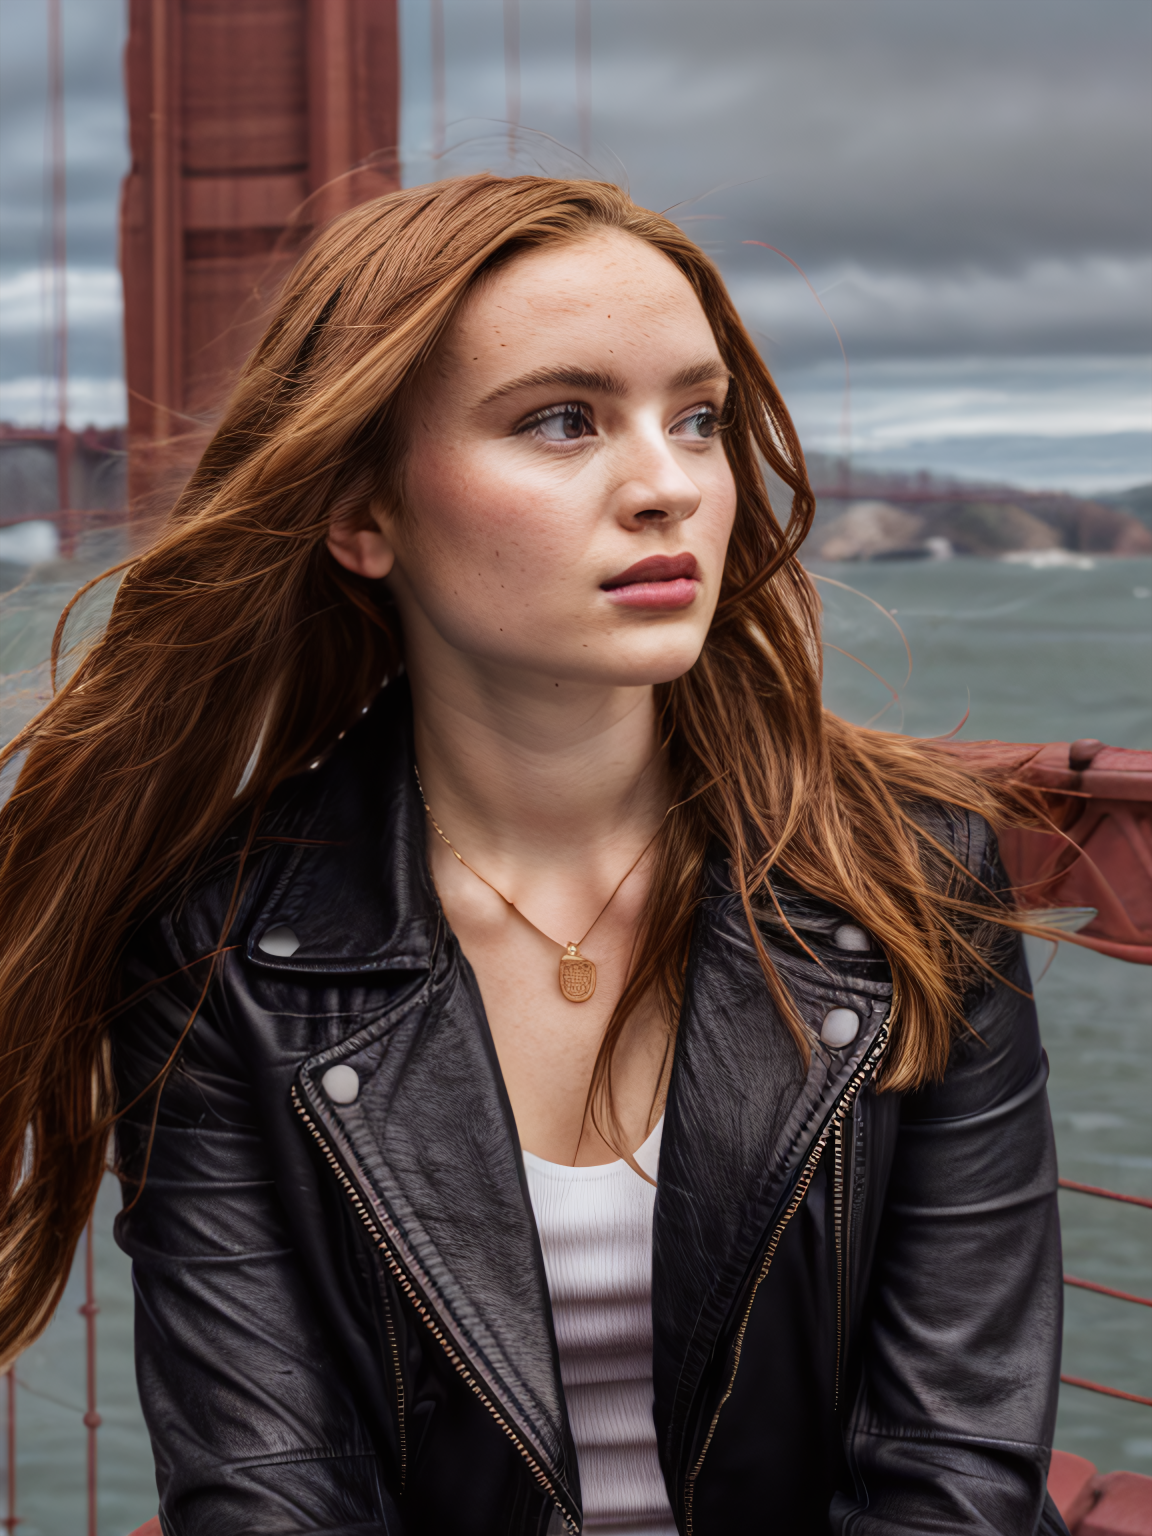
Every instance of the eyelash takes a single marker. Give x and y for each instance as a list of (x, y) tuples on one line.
[(554, 412)]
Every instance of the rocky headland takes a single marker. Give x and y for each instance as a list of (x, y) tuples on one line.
[(868, 516)]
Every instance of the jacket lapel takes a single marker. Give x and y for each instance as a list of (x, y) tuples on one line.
[(741, 1119)]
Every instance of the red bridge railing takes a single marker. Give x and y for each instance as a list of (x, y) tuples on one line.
[(1105, 1290)]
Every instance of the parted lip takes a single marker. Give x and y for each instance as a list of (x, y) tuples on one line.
[(654, 568)]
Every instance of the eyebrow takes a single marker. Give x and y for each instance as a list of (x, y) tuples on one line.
[(567, 378), (707, 371), (704, 371)]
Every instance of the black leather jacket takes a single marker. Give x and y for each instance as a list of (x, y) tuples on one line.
[(342, 1318)]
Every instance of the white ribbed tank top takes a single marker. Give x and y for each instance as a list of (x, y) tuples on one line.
[(595, 1229)]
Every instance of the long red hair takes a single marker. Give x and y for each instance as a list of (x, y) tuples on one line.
[(237, 648)]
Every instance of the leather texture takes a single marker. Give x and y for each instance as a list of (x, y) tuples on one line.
[(342, 1318)]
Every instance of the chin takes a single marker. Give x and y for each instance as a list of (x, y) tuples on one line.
[(646, 666)]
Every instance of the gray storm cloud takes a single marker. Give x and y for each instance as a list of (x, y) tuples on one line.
[(885, 131), (958, 181)]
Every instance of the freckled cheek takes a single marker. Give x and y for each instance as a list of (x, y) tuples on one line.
[(460, 498), (474, 524)]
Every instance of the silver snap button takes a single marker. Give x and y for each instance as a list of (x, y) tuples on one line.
[(840, 1027), (280, 941), (341, 1084), (848, 936)]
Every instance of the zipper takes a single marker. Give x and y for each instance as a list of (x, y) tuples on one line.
[(841, 1245), (852, 1199), (426, 1316), (400, 1399), (840, 1112)]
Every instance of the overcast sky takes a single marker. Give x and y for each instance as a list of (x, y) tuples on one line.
[(965, 184)]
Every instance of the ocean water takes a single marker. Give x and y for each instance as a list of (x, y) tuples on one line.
[(1029, 655)]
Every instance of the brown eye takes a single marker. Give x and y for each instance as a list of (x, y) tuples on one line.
[(562, 425), (701, 425)]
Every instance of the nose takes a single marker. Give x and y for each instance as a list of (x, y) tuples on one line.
[(655, 486)]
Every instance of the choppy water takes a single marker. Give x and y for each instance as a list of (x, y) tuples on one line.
[(1035, 655)]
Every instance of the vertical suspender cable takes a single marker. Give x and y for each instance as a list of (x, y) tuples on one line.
[(92, 1419), (439, 126), (162, 196), (512, 74), (59, 271), (46, 348), (584, 75)]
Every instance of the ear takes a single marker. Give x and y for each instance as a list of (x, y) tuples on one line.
[(363, 544)]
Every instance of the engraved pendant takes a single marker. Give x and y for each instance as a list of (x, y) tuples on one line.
[(577, 976)]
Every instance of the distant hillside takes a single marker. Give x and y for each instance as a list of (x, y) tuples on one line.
[(866, 515), (1137, 500)]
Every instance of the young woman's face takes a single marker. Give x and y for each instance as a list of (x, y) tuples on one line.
[(568, 501)]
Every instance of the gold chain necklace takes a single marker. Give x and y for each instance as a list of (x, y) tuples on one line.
[(577, 972)]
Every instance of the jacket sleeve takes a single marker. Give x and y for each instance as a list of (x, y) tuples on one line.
[(253, 1428), (952, 1427)]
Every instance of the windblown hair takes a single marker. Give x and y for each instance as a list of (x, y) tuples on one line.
[(237, 648)]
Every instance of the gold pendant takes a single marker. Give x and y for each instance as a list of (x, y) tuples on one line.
[(577, 976)]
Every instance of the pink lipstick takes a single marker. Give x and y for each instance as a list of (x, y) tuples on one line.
[(661, 581)]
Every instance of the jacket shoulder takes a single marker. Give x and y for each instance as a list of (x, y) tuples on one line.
[(969, 838), (997, 1051)]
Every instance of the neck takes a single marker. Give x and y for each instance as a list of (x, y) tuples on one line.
[(534, 772)]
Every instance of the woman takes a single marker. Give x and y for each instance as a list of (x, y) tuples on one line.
[(578, 1084)]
